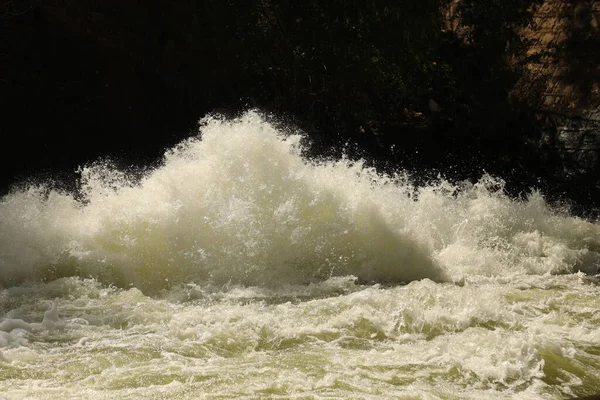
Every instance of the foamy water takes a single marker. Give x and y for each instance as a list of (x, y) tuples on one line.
[(239, 269)]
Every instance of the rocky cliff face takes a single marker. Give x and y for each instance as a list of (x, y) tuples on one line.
[(562, 85), (558, 83)]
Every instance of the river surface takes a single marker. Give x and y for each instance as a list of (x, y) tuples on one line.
[(238, 269)]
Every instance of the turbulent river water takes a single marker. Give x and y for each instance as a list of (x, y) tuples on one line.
[(239, 269)]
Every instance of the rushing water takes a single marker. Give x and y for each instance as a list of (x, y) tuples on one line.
[(238, 269)]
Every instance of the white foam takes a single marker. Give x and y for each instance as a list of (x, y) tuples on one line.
[(240, 204), (493, 337)]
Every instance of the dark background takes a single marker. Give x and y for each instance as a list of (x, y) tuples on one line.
[(127, 79)]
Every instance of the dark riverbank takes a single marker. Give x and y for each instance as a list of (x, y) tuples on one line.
[(428, 86)]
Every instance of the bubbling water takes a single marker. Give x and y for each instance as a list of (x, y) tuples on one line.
[(240, 269), (239, 204)]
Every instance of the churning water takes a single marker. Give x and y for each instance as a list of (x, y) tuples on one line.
[(239, 269)]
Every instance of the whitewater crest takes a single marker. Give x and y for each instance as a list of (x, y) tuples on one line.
[(240, 204)]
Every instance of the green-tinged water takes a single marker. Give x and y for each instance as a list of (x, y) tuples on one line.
[(238, 269), (525, 337)]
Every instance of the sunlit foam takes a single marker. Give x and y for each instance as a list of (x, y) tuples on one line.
[(239, 204)]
